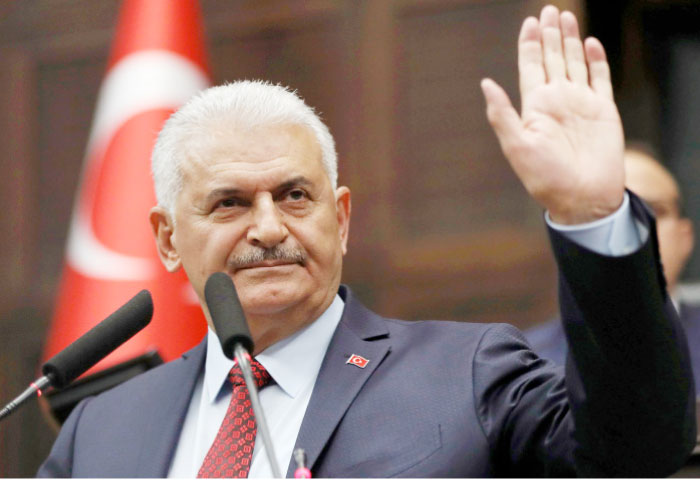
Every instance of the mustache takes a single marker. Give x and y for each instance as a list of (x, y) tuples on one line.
[(256, 255)]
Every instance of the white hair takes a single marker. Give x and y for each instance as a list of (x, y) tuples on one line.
[(245, 104)]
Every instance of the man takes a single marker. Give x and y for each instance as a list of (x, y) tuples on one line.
[(245, 177), (648, 178)]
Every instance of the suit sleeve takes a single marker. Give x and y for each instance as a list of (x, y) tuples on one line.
[(59, 464), (628, 374), (625, 406)]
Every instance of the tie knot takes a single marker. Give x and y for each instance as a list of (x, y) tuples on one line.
[(260, 374)]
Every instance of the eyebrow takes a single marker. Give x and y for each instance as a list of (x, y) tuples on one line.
[(299, 181), (218, 193)]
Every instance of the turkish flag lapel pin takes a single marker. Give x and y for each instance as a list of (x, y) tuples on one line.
[(358, 361)]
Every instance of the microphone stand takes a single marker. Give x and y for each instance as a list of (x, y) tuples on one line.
[(35, 387), (242, 357)]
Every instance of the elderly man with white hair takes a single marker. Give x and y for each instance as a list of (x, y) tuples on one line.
[(245, 177)]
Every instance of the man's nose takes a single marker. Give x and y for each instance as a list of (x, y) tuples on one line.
[(267, 228)]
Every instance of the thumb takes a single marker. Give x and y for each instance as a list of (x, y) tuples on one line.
[(501, 115)]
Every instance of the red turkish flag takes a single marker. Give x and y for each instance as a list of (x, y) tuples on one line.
[(358, 361), (157, 63)]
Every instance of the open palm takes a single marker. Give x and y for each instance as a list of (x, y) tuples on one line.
[(567, 145)]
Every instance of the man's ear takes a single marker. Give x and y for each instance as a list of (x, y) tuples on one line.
[(343, 207), (163, 226)]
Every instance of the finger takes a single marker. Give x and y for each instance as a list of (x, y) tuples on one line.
[(573, 49), (530, 64), (598, 69), (554, 63), (501, 114)]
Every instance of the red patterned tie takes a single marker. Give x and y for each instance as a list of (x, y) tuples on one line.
[(232, 451)]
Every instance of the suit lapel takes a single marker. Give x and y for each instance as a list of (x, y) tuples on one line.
[(161, 432), (359, 332)]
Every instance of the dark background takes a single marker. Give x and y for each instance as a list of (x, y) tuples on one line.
[(441, 227)]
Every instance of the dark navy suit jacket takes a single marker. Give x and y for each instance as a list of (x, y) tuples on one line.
[(548, 339), (450, 399)]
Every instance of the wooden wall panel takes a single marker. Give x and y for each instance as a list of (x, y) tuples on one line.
[(67, 96), (291, 57), (458, 212), (18, 183), (21, 331)]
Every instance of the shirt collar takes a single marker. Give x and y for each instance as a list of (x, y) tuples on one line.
[(292, 362)]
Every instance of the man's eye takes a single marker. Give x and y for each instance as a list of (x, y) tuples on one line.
[(229, 203), (296, 194)]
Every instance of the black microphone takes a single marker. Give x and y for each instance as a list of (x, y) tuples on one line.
[(99, 341), (90, 348), (227, 314), (233, 333)]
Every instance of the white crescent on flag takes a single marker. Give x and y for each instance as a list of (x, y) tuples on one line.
[(143, 81)]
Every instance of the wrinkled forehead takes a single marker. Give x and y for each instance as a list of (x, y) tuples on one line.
[(253, 151)]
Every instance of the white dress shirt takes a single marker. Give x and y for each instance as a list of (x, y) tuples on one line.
[(618, 234), (294, 364)]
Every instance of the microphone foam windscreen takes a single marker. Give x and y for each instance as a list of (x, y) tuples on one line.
[(99, 341), (227, 314)]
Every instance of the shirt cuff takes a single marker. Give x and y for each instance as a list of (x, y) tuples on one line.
[(616, 235)]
